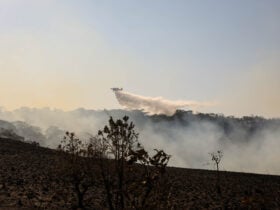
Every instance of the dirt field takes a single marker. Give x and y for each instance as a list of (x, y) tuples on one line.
[(30, 179)]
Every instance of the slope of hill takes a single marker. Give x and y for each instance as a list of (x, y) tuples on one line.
[(249, 143), (30, 178)]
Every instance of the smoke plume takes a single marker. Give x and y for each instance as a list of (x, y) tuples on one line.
[(156, 105), (250, 144)]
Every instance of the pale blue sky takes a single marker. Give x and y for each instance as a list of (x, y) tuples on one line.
[(68, 53)]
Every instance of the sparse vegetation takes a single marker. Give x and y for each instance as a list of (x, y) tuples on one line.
[(75, 168), (118, 142), (114, 171), (116, 150)]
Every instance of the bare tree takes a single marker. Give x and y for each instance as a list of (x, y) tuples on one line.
[(216, 158), (131, 178), (117, 150), (75, 167), (147, 191)]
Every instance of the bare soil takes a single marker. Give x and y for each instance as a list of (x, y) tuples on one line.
[(30, 179)]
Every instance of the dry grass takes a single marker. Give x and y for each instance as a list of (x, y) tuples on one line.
[(30, 179)]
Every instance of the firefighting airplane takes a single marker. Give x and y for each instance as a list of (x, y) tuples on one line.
[(116, 89)]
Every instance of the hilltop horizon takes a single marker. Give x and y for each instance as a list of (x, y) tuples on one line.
[(4, 109)]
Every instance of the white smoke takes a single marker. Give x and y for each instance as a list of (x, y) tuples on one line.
[(187, 139), (156, 105)]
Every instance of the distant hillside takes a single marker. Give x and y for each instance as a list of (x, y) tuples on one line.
[(230, 125), (249, 143)]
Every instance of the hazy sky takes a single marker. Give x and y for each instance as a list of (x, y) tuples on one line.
[(67, 54)]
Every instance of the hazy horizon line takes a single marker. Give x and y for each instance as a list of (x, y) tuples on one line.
[(4, 109)]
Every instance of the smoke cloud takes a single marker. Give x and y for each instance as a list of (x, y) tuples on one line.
[(188, 137), (156, 105)]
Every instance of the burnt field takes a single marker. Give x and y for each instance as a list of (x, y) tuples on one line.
[(31, 178)]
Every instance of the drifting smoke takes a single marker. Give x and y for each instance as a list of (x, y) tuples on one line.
[(249, 144), (157, 105)]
